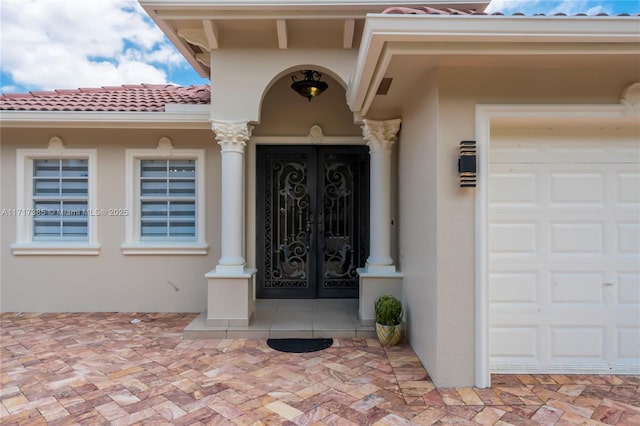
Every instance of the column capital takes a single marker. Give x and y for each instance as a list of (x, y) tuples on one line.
[(232, 136), (380, 135)]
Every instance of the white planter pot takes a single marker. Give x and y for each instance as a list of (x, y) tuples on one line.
[(389, 335)]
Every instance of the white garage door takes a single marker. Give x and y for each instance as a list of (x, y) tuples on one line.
[(564, 250)]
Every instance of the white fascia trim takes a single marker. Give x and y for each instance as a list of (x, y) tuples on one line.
[(56, 249), (387, 35), (486, 115), (278, 4), (171, 11), (101, 119)]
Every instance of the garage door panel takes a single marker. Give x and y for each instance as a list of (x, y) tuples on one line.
[(514, 238), (515, 189), (628, 188), (572, 238), (567, 188), (628, 238), (517, 342), (515, 288), (576, 342), (564, 251), (516, 348), (629, 344), (581, 289), (628, 288)]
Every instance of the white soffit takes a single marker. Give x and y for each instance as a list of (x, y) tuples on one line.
[(386, 36), (196, 27)]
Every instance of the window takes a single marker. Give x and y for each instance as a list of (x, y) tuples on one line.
[(166, 199), (54, 202), (60, 199)]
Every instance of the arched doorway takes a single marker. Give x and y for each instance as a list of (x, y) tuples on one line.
[(312, 196)]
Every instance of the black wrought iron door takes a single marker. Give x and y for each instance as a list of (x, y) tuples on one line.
[(312, 220)]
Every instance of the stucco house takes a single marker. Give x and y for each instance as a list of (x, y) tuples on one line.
[(526, 258)]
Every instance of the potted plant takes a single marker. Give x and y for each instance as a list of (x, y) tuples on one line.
[(388, 310)]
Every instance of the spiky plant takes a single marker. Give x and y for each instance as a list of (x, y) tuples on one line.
[(388, 310)]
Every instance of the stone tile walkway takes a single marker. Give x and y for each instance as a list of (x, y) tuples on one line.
[(99, 368)]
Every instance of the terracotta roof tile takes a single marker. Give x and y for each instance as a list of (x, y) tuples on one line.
[(426, 10), (130, 97)]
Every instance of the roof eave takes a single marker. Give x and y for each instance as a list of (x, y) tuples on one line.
[(385, 35), (255, 5), (179, 44), (164, 12)]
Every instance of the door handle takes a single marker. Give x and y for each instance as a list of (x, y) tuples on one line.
[(309, 229)]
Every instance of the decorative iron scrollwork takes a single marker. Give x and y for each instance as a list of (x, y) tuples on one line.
[(287, 203), (339, 259), (315, 221)]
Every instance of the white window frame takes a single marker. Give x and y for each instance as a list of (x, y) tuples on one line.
[(133, 244), (25, 244)]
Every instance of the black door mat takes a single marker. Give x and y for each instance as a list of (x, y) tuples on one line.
[(299, 345)]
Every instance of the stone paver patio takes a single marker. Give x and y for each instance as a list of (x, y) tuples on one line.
[(99, 368)]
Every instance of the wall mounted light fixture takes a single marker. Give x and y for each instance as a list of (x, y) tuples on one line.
[(467, 164), (311, 86)]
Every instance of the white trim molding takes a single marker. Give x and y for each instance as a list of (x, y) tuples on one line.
[(387, 36), (492, 115), (25, 244), (133, 244), (107, 119)]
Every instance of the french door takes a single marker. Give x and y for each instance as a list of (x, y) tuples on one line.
[(312, 220)]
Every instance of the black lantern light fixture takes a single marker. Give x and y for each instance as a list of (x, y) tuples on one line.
[(311, 86), (467, 166)]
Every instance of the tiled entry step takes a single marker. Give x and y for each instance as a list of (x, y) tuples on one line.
[(296, 318)]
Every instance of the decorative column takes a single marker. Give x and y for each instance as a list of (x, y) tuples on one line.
[(230, 284), (379, 276), (380, 136), (232, 138)]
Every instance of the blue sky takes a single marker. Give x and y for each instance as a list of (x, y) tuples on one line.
[(45, 46), (565, 6)]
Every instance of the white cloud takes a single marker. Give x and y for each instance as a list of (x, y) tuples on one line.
[(164, 55), (510, 6), (49, 44), (571, 7), (9, 89), (597, 9), (548, 7)]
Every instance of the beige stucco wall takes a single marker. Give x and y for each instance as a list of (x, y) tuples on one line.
[(436, 240), (259, 69), (110, 281), (418, 256), (286, 113)]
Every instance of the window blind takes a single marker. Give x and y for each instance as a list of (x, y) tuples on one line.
[(168, 199), (60, 199)]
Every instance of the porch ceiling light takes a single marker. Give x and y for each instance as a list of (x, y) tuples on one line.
[(311, 86)]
